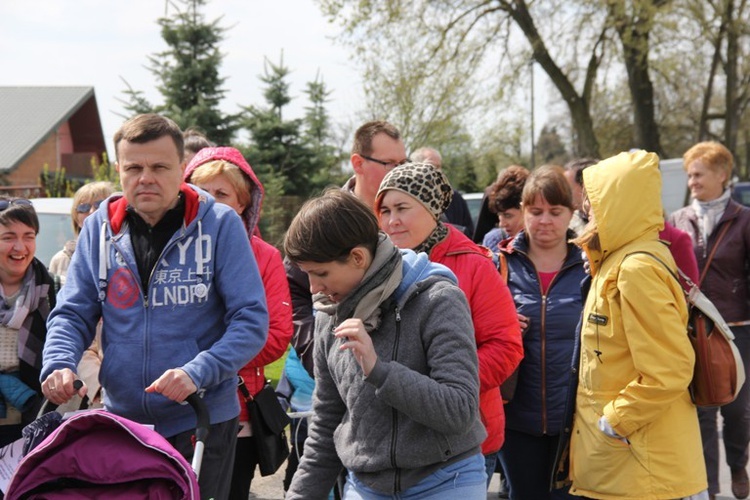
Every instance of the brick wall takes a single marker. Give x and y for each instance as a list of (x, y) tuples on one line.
[(31, 168)]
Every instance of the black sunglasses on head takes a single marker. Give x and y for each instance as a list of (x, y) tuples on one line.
[(5, 203), (84, 208)]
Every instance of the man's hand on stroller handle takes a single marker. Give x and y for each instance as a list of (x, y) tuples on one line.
[(58, 386), (174, 384)]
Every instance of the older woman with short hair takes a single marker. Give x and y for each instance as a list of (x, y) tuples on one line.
[(720, 230)]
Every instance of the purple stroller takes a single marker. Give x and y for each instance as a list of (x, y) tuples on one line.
[(97, 454)]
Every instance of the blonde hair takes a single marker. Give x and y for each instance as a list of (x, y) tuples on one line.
[(712, 154), (239, 181), (89, 193), (589, 238)]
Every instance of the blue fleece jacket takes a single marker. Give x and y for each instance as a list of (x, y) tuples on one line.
[(204, 312)]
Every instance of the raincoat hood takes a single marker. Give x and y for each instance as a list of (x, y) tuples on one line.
[(251, 214), (617, 188)]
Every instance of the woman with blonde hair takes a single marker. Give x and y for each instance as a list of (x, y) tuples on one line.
[(85, 202), (225, 174), (719, 229)]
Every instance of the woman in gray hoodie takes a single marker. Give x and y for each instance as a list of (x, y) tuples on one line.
[(396, 400)]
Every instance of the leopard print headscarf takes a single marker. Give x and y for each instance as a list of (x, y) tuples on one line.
[(422, 181)]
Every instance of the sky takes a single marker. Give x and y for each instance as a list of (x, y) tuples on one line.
[(100, 43)]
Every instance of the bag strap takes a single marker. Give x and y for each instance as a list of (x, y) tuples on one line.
[(243, 389), (685, 282), (713, 250)]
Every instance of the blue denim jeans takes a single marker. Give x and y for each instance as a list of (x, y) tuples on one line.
[(490, 462), (465, 479)]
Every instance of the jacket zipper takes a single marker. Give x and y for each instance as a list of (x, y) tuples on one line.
[(543, 333), (167, 247), (147, 355), (394, 414), (544, 340)]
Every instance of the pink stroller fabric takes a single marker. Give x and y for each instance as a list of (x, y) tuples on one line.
[(97, 454)]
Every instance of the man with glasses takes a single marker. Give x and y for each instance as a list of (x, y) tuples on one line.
[(377, 149), (172, 275)]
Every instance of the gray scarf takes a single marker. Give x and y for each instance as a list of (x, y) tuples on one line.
[(379, 282), (709, 213), (20, 316)]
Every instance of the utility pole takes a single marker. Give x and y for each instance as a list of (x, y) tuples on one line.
[(531, 72)]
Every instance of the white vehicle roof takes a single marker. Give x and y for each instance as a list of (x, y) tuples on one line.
[(52, 205)]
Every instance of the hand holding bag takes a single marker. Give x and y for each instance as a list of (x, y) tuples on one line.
[(268, 421)]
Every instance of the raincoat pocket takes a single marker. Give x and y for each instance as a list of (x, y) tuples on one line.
[(600, 463)]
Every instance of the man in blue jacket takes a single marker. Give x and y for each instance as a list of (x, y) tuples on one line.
[(172, 275)]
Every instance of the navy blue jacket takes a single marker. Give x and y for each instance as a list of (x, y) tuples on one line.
[(539, 403)]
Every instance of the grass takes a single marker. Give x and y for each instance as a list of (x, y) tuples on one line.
[(273, 371)]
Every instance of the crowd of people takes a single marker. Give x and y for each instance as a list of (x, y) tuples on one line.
[(404, 320)]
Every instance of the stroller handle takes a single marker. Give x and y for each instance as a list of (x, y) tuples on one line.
[(48, 406), (201, 412)]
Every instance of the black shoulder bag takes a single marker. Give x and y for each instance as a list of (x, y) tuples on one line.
[(268, 421)]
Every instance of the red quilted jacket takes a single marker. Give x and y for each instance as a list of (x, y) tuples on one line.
[(498, 334), (271, 269), (280, 326)]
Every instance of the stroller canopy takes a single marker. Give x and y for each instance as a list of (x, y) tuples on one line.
[(97, 454)]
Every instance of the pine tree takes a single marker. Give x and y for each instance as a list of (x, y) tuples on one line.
[(326, 158), (277, 147), (188, 72)]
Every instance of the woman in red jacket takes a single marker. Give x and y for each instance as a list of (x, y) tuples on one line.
[(409, 204), (225, 174)]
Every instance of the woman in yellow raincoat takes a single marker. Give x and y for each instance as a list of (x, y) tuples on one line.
[(635, 433)]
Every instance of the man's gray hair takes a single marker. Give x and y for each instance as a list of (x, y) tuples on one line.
[(425, 155)]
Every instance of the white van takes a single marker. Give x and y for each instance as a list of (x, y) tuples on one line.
[(55, 226), (674, 190)]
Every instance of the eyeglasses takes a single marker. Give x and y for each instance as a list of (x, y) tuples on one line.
[(388, 165), (84, 208), (6, 203)]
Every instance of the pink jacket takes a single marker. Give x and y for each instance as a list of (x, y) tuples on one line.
[(681, 248), (271, 269)]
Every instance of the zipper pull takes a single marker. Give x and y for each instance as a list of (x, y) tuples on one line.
[(398, 314)]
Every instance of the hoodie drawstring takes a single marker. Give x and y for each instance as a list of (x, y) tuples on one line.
[(103, 261)]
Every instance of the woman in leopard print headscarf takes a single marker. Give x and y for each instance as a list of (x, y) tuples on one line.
[(409, 204)]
